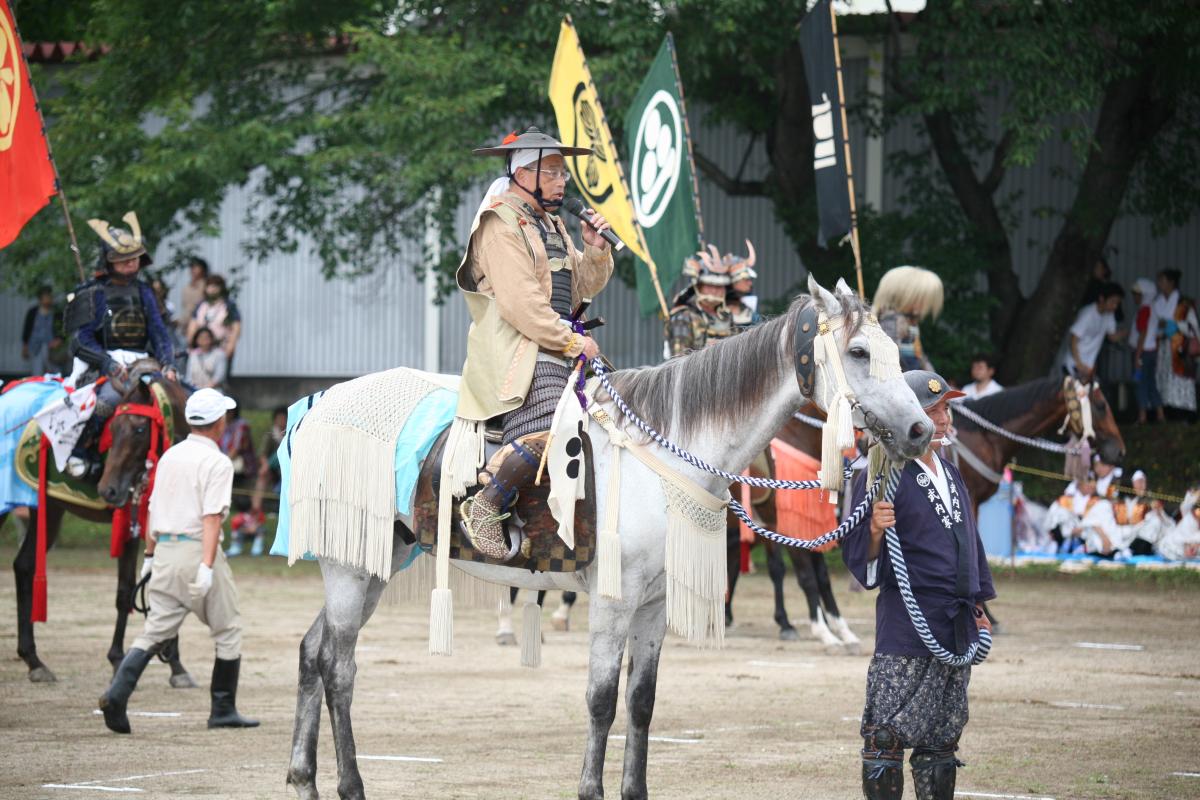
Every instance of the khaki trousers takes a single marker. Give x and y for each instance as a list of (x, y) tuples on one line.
[(170, 598)]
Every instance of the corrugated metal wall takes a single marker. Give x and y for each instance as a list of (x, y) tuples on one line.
[(298, 324)]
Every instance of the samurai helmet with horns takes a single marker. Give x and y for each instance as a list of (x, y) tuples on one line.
[(707, 267), (527, 150), (741, 269), (119, 244)]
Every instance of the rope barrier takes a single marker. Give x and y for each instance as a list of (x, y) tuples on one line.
[(1045, 473)]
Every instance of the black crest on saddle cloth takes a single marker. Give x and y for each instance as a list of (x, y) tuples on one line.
[(546, 551)]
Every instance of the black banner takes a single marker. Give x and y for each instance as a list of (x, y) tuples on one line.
[(829, 152)]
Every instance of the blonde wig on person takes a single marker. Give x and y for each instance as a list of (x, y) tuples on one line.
[(909, 290)]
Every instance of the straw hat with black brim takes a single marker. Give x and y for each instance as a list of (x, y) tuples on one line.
[(530, 147)]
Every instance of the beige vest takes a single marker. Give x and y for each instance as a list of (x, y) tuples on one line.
[(500, 360)]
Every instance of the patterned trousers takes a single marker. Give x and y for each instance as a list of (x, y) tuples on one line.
[(922, 701)]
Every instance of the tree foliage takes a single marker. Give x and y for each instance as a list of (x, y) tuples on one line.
[(343, 116)]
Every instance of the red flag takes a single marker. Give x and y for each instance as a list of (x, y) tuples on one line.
[(26, 174)]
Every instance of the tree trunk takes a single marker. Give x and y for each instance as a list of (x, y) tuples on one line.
[(1131, 115)]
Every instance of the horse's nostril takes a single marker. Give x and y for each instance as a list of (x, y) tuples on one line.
[(916, 431)]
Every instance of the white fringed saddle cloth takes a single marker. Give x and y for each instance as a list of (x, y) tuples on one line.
[(343, 490)]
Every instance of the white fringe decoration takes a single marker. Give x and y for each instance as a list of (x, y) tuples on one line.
[(414, 584), (463, 456), (885, 355), (441, 623), (343, 489), (695, 563), (609, 579), (531, 635)]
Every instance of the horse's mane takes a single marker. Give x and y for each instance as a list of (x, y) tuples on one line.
[(722, 383), (1009, 403)]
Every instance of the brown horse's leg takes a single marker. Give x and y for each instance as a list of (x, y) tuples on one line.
[(126, 571), (733, 564), (23, 568)]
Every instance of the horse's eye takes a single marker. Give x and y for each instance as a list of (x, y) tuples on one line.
[(140, 430), (858, 352)]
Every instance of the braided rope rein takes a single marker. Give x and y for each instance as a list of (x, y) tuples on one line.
[(1029, 441), (975, 654)]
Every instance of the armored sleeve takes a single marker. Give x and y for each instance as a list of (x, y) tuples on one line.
[(85, 319), (160, 340), (683, 332)]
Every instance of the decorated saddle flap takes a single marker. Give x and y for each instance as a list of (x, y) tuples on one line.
[(542, 550), (59, 485)]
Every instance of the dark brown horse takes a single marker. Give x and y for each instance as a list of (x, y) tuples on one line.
[(124, 470), (1033, 409), (812, 573)]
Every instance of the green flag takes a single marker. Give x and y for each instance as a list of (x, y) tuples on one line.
[(662, 183)]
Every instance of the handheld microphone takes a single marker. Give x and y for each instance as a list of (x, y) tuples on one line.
[(576, 207)]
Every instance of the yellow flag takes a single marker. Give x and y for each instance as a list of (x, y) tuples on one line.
[(581, 123)]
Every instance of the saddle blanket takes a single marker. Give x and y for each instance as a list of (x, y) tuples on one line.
[(432, 415), (17, 407)]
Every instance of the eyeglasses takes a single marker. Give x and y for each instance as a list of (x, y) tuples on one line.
[(552, 174)]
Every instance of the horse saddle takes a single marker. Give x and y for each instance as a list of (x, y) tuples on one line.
[(59, 485), (532, 530)]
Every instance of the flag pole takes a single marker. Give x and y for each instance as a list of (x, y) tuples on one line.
[(62, 196), (687, 133), (837, 60)]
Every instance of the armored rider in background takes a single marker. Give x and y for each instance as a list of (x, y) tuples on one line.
[(522, 278), (111, 321), (698, 314), (741, 299)]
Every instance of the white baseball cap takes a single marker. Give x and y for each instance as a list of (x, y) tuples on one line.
[(206, 406)]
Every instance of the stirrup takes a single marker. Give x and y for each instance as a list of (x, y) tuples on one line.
[(464, 510)]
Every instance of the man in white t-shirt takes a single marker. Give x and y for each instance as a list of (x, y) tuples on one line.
[(983, 372), (1093, 324)]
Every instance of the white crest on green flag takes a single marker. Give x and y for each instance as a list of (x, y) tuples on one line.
[(662, 182)]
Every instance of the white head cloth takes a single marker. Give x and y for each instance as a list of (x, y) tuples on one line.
[(1146, 288), (1138, 474), (520, 158)]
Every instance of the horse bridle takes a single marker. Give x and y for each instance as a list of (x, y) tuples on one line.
[(1079, 413), (808, 326)]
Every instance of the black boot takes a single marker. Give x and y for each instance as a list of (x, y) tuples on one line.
[(934, 775), (224, 696), (113, 702), (883, 778)]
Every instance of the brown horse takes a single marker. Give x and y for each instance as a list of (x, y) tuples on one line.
[(812, 573), (124, 470), (1033, 409)]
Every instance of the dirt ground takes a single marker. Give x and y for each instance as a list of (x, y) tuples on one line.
[(760, 719)]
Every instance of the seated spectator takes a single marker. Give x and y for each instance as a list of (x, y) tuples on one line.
[(268, 467), (206, 363), (983, 372), (1106, 479), (1145, 516), (1081, 522), (1181, 542)]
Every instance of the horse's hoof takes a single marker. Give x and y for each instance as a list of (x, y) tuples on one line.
[(506, 639), (561, 623), (835, 649), (851, 648), (42, 674), (182, 681), (788, 634), (306, 789)]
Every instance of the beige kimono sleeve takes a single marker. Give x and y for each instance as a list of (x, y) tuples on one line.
[(593, 267), (522, 301)]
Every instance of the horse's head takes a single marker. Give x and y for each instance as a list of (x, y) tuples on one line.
[(1106, 439), (869, 371), (130, 435)]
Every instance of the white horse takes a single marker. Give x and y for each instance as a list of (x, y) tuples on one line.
[(723, 404)]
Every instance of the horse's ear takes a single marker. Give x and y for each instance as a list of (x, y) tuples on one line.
[(825, 299), (843, 288)]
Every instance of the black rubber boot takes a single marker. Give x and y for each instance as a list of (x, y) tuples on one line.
[(934, 775), (113, 702), (883, 779), (224, 696)]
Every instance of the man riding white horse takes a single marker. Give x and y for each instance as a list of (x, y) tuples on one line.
[(522, 277), (112, 321)]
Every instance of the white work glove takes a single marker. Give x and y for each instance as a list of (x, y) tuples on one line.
[(147, 565), (204, 578)]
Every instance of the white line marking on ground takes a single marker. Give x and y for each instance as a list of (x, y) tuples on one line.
[(851, 719), (140, 777), (1186, 774), (96, 712), (92, 787), (1003, 796), (665, 739), (1069, 704), (418, 759), (802, 664), (1106, 646)]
